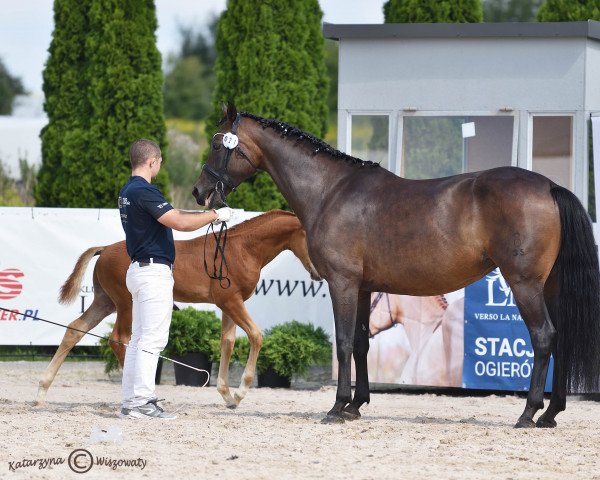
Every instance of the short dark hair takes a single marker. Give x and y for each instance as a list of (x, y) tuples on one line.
[(141, 150)]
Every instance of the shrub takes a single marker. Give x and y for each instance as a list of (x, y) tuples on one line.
[(193, 331), (110, 359), (289, 349)]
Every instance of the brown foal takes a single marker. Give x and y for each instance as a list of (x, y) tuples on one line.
[(250, 246)]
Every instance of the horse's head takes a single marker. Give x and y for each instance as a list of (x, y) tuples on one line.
[(233, 158)]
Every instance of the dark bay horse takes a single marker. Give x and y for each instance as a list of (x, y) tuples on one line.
[(250, 246), (370, 230)]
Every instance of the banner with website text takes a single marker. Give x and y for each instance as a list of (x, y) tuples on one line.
[(41, 245)]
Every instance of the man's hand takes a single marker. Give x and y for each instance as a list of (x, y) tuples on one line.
[(224, 214)]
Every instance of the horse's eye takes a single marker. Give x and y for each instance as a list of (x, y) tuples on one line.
[(216, 146)]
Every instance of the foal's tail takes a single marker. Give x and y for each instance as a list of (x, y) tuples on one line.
[(578, 322), (70, 289)]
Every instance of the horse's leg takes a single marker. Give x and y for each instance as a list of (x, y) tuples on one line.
[(121, 333), (236, 310), (344, 298), (530, 300), (361, 349), (100, 308), (227, 344), (558, 399)]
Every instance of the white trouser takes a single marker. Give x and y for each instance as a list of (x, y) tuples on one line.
[(151, 288)]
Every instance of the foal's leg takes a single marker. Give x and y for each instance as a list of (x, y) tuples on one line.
[(236, 310), (361, 349), (227, 344), (101, 307), (530, 300), (344, 298), (121, 333)]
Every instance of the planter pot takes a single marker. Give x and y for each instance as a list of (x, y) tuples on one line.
[(270, 378), (187, 376)]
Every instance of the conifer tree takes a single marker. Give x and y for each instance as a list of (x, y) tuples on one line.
[(112, 96), (271, 62), (569, 10), (433, 11)]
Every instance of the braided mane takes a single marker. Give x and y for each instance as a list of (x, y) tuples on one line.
[(289, 131)]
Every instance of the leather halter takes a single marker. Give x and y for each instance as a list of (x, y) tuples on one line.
[(220, 172)]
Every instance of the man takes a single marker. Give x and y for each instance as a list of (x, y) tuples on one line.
[(147, 219)]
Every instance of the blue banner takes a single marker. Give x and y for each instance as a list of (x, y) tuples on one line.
[(498, 353)]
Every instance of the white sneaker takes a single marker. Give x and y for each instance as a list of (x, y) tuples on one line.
[(149, 410)]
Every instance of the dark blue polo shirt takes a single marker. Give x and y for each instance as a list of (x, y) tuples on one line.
[(140, 205)]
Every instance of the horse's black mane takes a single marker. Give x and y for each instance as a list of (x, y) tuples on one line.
[(286, 130)]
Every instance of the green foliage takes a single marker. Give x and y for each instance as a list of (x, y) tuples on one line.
[(111, 362), (9, 195), (10, 87), (433, 11), (190, 79), (17, 193), (187, 92), (271, 62), (331, 64), (569, 10), (194, 331), (103, 88), (183, 166), (241, 350), (290, 349), (510, 10)]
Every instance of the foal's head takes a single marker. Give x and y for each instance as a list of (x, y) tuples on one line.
[(233, 158)]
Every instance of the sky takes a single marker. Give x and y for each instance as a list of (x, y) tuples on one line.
[(26, 28)]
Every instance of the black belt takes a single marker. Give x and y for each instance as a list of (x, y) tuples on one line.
[(144, 262)]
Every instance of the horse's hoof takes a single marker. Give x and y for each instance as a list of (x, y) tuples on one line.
[(231, 406), (544, 423), (331, 419), (350, 413), (525, 423)]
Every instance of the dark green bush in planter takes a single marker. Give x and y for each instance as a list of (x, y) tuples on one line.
[(288, 349), (192, 337)]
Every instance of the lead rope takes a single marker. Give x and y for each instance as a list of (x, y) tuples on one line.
[(126, 345)]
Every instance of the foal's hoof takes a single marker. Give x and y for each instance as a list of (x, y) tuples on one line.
[(545, 423), (350, 413), (525, 423), (331, 419)]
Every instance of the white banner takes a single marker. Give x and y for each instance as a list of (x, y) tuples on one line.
[(39, 248)]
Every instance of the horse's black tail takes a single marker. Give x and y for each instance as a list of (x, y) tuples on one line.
[(578, 306)]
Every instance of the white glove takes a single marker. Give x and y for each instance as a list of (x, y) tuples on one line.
[(223, 215)]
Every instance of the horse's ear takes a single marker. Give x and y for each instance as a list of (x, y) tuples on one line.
[(230, 112)]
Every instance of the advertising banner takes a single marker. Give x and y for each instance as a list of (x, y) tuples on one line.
[(472, 338), (39, 248), (498, 352)]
